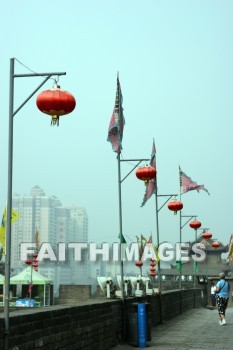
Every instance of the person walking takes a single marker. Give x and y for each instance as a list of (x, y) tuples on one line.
[(222, 297), (212, 293)]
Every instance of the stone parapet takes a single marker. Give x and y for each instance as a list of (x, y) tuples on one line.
[(97, 324)]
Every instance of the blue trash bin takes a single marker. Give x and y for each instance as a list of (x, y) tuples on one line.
[(138, 325)]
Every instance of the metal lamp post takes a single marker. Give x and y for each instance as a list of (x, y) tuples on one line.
[(204, 230), (12, 113), (190, 217), (157, 209), (120, 180)]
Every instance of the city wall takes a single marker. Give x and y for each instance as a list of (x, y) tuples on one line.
[(91, 324)]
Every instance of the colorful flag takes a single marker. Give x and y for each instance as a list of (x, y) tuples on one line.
[(179, 265), (150, 247), (123, 238), (117, 122), (230, 251), (30, 288), (14, 218), (151, 185), (187, 184), (195, 266), (37, 239), (2, 238)]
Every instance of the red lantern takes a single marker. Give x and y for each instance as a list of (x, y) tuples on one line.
[(175, 206), (152, 269), (207, 235), (216, 244), (195, 224), (35, 265), (146, 173), (152, 264), (139, 263), (152, 274), (55, 103), (28, 262)]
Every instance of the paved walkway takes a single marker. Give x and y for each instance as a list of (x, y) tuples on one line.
[(196, 329)]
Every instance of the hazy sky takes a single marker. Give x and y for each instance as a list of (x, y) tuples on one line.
[(175, 62)]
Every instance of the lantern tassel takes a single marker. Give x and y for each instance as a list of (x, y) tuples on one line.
[(55, 120)]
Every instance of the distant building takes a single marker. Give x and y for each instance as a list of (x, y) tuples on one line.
[(212, 264), (55, 224)]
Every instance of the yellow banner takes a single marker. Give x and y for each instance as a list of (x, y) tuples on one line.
[(2, 237), (230, 250), (14, 218)]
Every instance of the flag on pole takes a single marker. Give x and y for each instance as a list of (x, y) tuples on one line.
[(195, 266), (14, 218), (151, 185), (117, 122), (148, 245), (230, 251), (187, 184), (37, 239), (123, 238), (179, 265), (30, 288), (2, 238)]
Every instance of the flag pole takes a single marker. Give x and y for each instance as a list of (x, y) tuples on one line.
[(180, 282), (119, 194), (158, 242), (120, 224), (195, 273), (157, 233)]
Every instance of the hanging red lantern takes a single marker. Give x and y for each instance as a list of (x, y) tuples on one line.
[(195, 224), (152, 269), (152, 264), (146, 173), (35, 266), (216, 244), (139, 263), (175, 206), (55, 102), (152, 274), (207, 235), (28, 262)]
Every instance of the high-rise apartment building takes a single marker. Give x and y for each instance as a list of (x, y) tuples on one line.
[(55, 224)]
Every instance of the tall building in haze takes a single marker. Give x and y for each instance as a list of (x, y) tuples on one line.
[(55, 224)]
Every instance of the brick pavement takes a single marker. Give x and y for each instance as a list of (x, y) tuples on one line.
[(196, 329)]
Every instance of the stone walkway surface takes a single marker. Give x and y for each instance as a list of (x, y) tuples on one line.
[(196, 329)]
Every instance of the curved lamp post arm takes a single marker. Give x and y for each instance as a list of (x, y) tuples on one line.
[(132, 160), (165, 195), (48, 76), (190, 218)]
